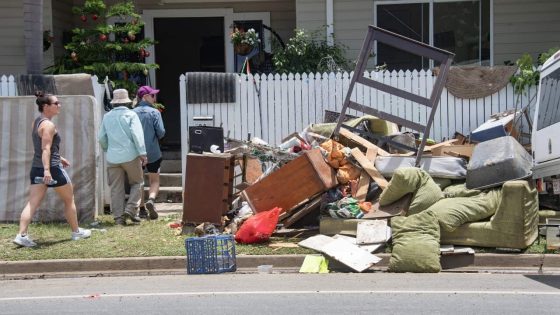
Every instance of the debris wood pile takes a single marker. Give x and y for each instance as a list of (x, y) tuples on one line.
[(360, 191)]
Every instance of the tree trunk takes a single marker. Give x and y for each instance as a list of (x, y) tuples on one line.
[(33, 34)]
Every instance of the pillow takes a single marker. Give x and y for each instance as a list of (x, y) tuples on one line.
[(459, 190), (412, 180), (454, 212), (415, 243)]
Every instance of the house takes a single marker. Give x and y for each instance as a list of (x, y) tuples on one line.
[(192, 35)]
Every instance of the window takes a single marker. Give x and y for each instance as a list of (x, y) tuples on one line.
[(462, 27), (549, 102)]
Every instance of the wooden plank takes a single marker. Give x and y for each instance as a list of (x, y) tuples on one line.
[(399, 207), (308, 208), (316, 242), (369, 168), (441, 144), (361, 141), (371, 232), (363, 183), (369, 247), (350, 255)]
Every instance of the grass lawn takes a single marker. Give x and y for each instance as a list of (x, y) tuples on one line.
[(149, 238)]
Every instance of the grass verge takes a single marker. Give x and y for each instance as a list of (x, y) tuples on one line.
[(149, 238)]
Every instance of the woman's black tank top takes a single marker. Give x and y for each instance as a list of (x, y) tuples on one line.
[(37, 146)]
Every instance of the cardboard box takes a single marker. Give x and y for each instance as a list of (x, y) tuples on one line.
[(463, 150)]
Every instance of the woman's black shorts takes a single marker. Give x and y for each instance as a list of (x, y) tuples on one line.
[(57, 173), (154, 166)]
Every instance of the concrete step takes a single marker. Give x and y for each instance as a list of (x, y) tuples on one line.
[(168, 208), (171, 155), (167, 194), (171, 166), (167, 179)]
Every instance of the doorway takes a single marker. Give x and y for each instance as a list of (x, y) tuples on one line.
[(184, 44)]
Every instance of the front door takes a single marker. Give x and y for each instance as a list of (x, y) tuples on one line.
[(184, 45)]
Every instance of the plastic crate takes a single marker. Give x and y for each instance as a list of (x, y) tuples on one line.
[(210, 254)]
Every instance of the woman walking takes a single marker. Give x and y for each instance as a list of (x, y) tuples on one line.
[(48, 165)]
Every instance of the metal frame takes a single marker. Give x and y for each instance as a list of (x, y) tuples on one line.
[(413, 47)]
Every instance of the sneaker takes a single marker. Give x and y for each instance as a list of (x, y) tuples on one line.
[(151, 209), (132, 217), (82, 233), (120, 221), (24, 240), (143, 213)]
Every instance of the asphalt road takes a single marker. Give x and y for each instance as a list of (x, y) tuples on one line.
[(340, 293)]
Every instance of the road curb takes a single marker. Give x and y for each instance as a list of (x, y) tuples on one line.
[(530, 263)]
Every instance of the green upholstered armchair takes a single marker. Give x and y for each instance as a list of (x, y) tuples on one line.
[(514, 224)]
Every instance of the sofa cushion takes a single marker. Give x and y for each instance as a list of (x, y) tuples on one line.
[(415, 243), (454, 212), (412, 180)]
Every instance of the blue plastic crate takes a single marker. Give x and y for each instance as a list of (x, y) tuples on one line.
[(210, 254)]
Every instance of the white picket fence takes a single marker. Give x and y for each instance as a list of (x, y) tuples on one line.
[(289, 103), (8, 86)]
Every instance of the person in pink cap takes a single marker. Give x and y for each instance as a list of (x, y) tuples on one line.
[(152, 124)]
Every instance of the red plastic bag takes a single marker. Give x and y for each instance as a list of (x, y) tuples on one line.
[(258, 228)]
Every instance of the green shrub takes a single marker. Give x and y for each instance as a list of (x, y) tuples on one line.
[(307, 52)]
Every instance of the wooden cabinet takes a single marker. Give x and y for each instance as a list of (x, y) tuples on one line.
[(208, 189), (292, 184)]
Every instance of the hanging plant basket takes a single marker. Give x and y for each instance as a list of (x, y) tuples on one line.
[(242, 49)]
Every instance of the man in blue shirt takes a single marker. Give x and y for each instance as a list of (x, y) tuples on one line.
[(152, 124), (122, 137)]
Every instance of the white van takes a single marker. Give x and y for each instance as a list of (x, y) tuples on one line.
[(546, 128)]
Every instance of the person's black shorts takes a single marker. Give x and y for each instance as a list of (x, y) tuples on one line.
[(154, 166), (57, 172)]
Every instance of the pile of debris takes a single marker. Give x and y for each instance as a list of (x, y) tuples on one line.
[(363, 191)]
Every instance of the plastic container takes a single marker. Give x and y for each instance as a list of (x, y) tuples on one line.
[(210, 254), (496, 161), (39, 180), (264, 269)]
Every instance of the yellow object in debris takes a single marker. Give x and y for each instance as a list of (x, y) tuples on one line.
[(314, 264)]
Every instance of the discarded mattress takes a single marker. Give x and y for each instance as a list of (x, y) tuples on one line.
[(436, 166), (496, 161)]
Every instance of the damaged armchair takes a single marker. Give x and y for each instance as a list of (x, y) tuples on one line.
[(505, 216), (513, 225)]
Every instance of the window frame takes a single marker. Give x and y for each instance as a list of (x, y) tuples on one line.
[(377, 3)]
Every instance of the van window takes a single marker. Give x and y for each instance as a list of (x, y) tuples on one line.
[(549, 103)]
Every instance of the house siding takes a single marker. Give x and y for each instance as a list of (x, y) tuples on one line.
[(522, 26), (12, 58), (310, 14), (12, 50), (62, 22), (282, 12), (351, 18)]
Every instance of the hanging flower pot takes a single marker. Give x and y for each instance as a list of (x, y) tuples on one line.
[(242, 49), (244, 41)]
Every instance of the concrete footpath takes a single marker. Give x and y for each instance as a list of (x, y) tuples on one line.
[(138, 266)]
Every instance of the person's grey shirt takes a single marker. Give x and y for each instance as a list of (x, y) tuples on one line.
[(152, 124)]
